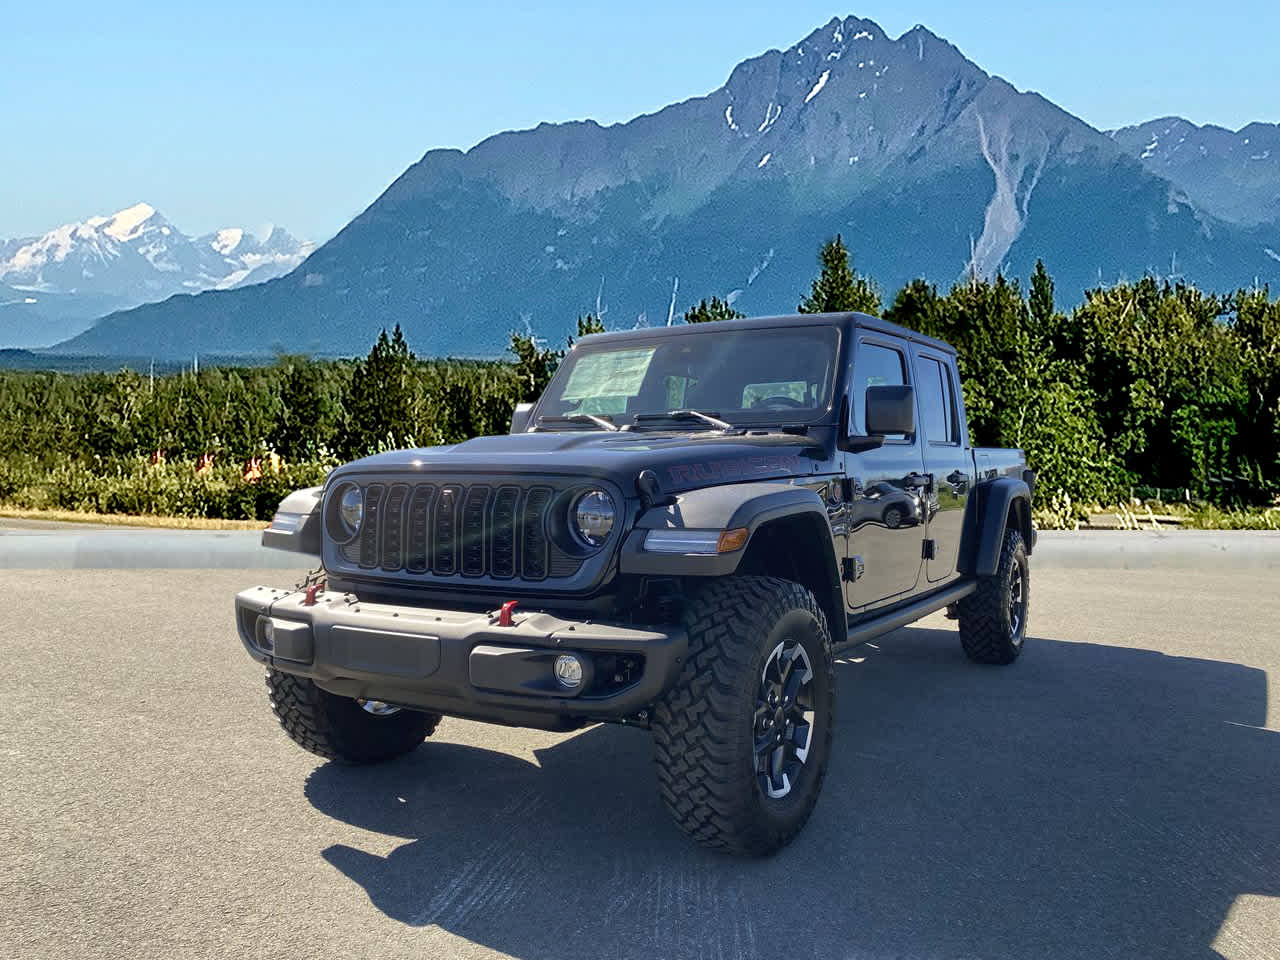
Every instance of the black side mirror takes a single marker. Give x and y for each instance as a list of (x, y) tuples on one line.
[(891, 409), (520, 417), (849, 441)]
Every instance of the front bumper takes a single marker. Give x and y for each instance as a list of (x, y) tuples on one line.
[(459, 663)]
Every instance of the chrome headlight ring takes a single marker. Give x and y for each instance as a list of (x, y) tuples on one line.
[(345, 514), (592, 517)]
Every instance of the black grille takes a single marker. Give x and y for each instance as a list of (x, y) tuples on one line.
[(533, 546), (446, 531), (504, 532), (393, 528), (418, 559), (473, 530), (372, 520), (473, 524)]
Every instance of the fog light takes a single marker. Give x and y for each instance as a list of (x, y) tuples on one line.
[(569, 672), (267, 633)]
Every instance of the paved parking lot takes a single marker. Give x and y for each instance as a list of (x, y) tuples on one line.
[(1116, 793)]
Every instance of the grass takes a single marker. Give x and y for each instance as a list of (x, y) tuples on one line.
[(132, 520), (1155, 515)]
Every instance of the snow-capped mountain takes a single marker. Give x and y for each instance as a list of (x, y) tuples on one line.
[(925, 163), (57, 283), (1232, 174)]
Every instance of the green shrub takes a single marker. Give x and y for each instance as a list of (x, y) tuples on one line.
[(1142, 384)]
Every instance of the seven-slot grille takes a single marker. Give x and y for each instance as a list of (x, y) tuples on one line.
[(476, 530)]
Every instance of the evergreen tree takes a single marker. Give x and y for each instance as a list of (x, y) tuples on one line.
[(839, 288), (306, 410), (381, 402), (1041, 299), (708, 311), (534, 365)]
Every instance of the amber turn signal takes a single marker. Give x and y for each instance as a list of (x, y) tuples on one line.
[(731, 540)]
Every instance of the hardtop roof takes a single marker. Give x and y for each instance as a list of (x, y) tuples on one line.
[(843, 320)]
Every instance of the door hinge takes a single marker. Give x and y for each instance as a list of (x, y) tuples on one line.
[(928, 549), (852, 569)]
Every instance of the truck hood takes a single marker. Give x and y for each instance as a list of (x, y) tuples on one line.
[(682, 460)]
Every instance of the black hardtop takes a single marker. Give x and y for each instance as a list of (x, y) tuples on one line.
[(844, 321)]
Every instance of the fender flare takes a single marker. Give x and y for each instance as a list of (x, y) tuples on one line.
[(752, 506), (297, 523), (988, 522)]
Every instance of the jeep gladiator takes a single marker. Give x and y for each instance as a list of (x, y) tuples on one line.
[(679, 535)]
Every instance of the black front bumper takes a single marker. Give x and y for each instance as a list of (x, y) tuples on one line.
[(459, 663)]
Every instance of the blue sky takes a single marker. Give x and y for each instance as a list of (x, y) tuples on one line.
[(242, 113)]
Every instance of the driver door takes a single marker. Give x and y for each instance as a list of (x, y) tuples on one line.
[(886, 509)]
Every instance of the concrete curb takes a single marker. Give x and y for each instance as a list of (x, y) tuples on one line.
[(118, 548), (1157, 550)]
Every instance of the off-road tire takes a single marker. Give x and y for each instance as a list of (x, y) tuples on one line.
[(703, 726), (338, 728), (988, 633)]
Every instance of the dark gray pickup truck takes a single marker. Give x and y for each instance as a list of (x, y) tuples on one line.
[(679, 536)]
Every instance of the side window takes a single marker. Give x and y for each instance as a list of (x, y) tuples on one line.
[(953, 408), (936, 401), (875, 366)]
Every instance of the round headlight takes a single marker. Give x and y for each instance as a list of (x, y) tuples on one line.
[(593, 515), (351, 509)]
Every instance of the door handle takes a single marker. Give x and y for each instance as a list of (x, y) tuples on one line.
[(919, 481)]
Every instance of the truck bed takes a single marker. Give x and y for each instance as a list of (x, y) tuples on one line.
[(993, 462)]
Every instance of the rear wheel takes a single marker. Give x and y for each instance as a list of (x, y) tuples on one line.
[(341, 729), (743, 737), (993, 619)]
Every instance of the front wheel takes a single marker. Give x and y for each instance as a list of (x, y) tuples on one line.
[(993, 619), (341, 729), (743, 737)]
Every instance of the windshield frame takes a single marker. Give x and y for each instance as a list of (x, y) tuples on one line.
[(806, 416)]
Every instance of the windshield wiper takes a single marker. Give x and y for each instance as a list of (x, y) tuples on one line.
[(687, 415), (601, 422)]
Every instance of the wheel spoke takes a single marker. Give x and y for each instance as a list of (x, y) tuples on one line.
[(1017, 604), (792, 689), (782, 723)]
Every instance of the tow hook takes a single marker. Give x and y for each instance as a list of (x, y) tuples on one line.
[(310, 599), (504, 614)]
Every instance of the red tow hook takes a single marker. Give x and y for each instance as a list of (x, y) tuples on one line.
[(310, 599), (504, 614)]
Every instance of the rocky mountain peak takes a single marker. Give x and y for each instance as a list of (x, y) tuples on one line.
[(928, 165), (74, 272)]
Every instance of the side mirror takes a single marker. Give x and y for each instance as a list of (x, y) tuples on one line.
[(891, 409), (850, 442), (520, 417)]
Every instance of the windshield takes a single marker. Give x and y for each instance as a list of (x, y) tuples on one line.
[(762, 375)]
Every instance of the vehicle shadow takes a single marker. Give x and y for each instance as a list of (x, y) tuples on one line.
[(1089, 801)]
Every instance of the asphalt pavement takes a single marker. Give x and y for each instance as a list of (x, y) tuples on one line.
[(1112, 794)]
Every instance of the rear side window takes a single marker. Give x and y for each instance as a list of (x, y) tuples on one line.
[(875, 366), (937, 401)]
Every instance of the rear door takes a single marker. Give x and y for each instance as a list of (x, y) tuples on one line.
[(886, 520), (948, 458)]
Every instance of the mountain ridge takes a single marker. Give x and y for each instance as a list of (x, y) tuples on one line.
[(77, 271), (929, 165), (1234, 174)]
